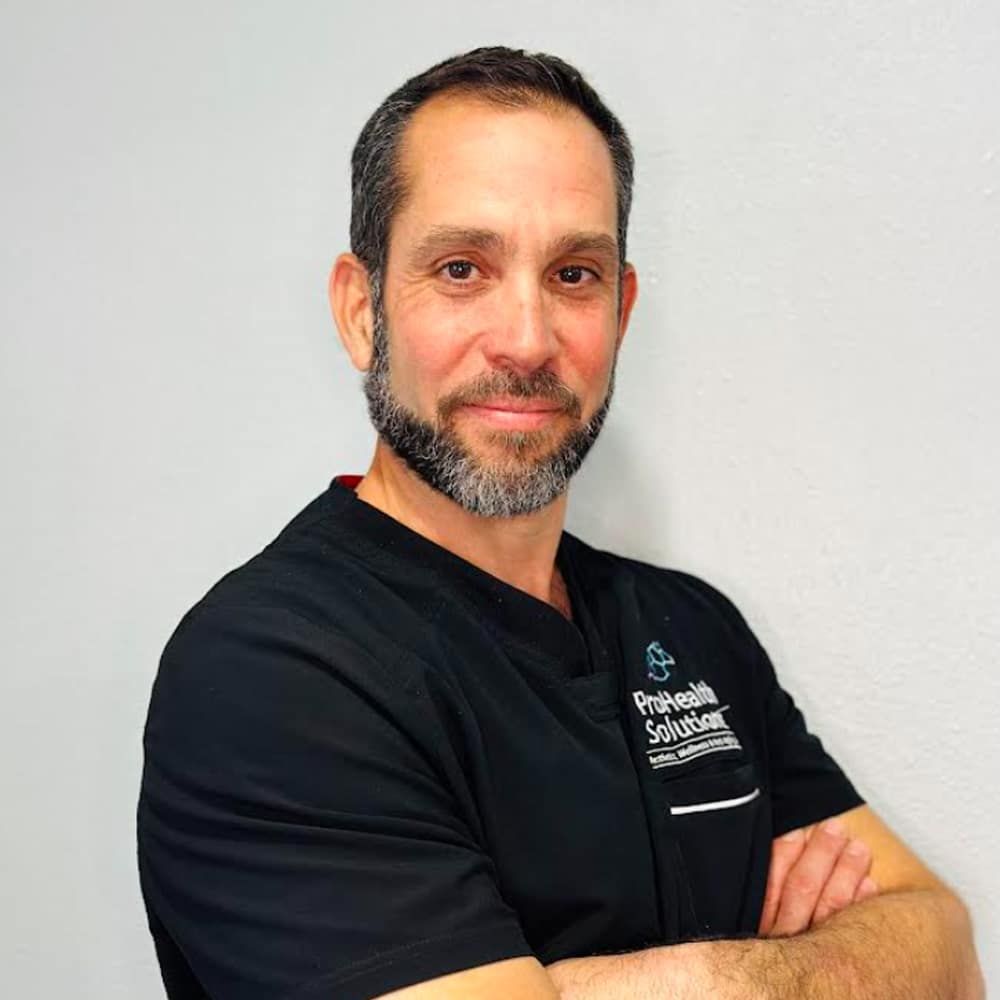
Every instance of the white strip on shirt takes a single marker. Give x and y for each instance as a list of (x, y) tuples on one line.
[(700, 807)]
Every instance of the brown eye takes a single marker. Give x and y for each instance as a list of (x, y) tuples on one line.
[(459, 270), (572, 275)]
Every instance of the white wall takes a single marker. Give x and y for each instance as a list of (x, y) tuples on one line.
[(807, 412)]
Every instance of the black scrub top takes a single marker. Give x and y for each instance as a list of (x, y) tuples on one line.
[(369, 763)]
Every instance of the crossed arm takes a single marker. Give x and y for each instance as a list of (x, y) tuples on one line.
[(911, 939)]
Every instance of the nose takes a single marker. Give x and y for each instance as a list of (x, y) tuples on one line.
[(522, 339)]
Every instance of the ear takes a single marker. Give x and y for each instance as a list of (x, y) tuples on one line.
[(630, 292), (351, 304)]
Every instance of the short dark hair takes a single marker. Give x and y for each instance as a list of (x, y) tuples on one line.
[(508, 77)]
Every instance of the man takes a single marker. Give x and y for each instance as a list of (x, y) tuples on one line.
[(427, 744)]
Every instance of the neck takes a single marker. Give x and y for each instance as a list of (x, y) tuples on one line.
[(521, 550)]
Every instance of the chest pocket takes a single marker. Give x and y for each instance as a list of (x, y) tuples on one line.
[(721, 826)]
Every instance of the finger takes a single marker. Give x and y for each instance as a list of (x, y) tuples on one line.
[(785, 851), (807, 877), (850, 871), (867, 889)]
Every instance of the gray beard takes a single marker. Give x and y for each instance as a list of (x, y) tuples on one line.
[(521, 485)]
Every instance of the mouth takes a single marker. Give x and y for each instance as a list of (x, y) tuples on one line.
[(514, 414)]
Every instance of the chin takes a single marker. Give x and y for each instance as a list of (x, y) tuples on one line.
[(516, 447)]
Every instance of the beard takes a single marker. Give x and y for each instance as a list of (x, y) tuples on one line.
[(532, 471)]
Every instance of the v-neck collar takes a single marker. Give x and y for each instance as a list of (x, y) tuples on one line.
[(518, 619)]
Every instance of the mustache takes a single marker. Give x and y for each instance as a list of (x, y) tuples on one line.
[(541, 384)]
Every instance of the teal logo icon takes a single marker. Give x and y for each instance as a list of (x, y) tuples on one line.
[(658, 662)]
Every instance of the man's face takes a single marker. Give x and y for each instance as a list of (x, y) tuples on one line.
[(500, 299)]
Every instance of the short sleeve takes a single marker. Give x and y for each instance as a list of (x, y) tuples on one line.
[(807, 784), (297, 839)]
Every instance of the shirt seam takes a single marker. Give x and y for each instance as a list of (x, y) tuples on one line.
[(399, 652)]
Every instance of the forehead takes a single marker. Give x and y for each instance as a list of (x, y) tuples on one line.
[(539, 169)]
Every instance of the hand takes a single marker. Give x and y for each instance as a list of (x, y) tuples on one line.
[(815, 872)]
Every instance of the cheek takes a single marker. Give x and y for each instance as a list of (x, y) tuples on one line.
[(594, 358), (589, 346), (429, 347), (591, 371)]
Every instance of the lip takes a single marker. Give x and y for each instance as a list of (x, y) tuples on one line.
[(517, 405), (514, 414)]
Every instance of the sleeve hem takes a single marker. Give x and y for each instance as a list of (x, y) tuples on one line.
[(415, 963), (807, 813)]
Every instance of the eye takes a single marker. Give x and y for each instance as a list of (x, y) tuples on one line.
[(575, 274), (459, 270)]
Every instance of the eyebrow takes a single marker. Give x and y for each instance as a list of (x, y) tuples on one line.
[(441, 238)]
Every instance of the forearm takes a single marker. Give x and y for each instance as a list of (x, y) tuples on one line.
[(915, 945)]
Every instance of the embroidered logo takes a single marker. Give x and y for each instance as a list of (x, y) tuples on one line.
[(680, 725), (683, 725), (658, 662)]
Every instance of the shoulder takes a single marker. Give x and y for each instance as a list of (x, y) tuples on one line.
[(313, 567), (308, 628), (252, 692), (320, 584)]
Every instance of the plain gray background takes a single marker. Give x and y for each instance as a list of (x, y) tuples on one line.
[(807, 409)]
